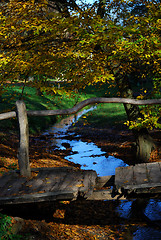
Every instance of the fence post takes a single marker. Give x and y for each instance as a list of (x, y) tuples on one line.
[(23, 152)]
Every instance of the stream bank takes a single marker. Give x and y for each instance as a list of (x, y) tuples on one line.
[(82, 219)]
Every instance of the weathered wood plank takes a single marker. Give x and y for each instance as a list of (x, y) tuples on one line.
[(39, 197), (55, 169), (46, 180), (124, 176), (58, 183), (88, 184), (140, 175), (72, 181), (159, 165), (13, 187), (104, 195), (51, 181), (10, 185), (154, 172), (68, 183), (149, 190), (5, 178), (144, 176)]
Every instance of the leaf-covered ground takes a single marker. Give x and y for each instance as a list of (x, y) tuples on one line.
[(78, 219)]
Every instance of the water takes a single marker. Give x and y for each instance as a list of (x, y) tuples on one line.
[(89, 156)]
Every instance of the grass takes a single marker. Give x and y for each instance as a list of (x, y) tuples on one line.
[(110, 115), (34, 102), (6, 232), (104, 114), (62, 100)]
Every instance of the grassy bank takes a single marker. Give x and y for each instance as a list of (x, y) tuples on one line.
[(105, 113)]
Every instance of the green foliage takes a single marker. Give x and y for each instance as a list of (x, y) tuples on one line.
[(6, 229), (81, 49), (106, 115), (61, 100), (150, 118)]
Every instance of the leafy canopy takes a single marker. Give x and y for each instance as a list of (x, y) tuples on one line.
[(83, 47)]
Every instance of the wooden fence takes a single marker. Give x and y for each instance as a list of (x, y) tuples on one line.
[(21, 114)]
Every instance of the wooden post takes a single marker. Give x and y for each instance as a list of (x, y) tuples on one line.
[(23, 152)]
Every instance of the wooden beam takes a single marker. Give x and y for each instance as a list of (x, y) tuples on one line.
[(104, 195), (81, 105), (39, 197), (23, 153), (92, 101), (7, 115)]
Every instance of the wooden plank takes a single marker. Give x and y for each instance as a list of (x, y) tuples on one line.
[(44, 182), (150, 178), (39, 197), (124, 176), (154, 172), (59, 181), (149, 190), (47, 180), (64, 185), (159, 165), (88, 183), (140, 174), (42, 169), (72, 181), (33, 186), (103, 195), (5, 178), (9, 184), (14, 188), (51, 180)]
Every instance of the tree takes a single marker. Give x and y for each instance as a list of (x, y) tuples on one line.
[(106, 41)]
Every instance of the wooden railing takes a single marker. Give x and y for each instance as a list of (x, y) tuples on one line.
[(21, 114)]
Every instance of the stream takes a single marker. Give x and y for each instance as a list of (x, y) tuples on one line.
[(89, 156)]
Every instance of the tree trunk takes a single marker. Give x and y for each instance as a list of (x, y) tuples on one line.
[(144, 145), (144, 142)]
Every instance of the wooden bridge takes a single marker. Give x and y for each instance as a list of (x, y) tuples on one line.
[(50, 184), (64, 183)]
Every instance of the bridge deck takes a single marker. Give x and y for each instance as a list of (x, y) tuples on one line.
[(141, 178), (50, 184), (46, 184)]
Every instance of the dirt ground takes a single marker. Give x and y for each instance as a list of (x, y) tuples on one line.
[(78, 219)]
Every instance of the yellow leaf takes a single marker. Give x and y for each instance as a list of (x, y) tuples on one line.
[(80, 185)]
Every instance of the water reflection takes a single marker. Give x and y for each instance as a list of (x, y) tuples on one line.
[(89, 156), (153, 209), (147, 233), (59, 130)]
